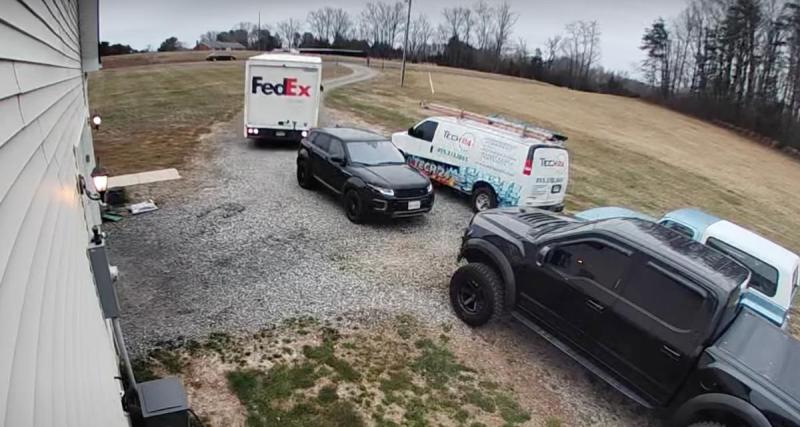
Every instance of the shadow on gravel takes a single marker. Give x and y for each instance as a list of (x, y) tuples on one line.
[(273, 145)]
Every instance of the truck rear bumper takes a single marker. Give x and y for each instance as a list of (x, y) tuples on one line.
[(275, 134)]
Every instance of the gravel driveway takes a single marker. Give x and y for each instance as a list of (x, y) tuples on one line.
[(237, 245)]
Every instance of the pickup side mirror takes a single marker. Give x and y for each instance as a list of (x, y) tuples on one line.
[(411, 131), (543, 255)]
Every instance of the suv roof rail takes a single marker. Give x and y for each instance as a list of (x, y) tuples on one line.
[(523, 129)]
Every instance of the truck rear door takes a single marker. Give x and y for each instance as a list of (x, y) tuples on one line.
[(545, 175), (282, 96)]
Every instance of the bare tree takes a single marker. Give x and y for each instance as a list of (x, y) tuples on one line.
[(320, 22), (289, 31), (505, 19), (453, 21), (209, 36), (420, 35), (341, 25), (521, 49), (553, 46), (467, 25), (381, 22), (484, 24)]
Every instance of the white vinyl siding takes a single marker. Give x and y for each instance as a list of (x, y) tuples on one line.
[(57, 358)]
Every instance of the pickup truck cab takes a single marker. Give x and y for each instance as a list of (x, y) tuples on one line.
[(775, 268), (645, 308)]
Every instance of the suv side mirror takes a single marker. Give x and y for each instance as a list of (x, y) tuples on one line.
[(543, 255)]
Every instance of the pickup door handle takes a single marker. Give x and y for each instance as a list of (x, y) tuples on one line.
[(672, 354), (594, 305)]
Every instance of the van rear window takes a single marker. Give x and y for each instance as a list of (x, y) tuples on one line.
[(765, 276)]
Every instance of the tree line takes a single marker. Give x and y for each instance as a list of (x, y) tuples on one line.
[(735, 61), (480, 37)]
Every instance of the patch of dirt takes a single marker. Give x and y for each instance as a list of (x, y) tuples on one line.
[(207, 388)]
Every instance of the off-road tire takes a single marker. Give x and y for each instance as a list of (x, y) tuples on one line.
[(478, 195), (355, 213), (484, 282), (304, 176)]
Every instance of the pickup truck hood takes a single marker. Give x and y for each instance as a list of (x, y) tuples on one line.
[(764, 353), (520, 222)]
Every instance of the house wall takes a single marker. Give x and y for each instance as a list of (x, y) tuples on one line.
[(57, 359)]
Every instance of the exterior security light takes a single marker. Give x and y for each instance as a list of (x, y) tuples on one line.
[(100, 179), (96, 120), (99, 182)]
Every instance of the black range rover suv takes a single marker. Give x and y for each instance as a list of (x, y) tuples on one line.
[(366, 170), (647, 309)]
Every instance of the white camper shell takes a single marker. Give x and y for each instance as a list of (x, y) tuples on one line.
[(497, 162), (281, 95)]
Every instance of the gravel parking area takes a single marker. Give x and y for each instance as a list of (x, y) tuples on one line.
[(237, 245)]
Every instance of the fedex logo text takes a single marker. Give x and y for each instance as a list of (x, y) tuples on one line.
[(288, 87)]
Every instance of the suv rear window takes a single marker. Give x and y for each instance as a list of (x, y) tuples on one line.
[(765, 276)]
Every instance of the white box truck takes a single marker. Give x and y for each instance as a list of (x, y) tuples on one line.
[(281, 95), (495, 161)]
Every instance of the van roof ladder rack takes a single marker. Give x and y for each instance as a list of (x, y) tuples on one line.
[(525, 130)]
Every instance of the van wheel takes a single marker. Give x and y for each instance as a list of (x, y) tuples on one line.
[(354, 207), (304, 176), (476, 294), (483, 198)]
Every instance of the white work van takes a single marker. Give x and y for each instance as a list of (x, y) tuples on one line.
[(497, 162), (281, 95)]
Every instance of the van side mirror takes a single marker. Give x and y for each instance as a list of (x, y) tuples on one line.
[(543, 255)]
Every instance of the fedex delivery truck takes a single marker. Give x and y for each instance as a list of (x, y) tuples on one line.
[(281, 95)]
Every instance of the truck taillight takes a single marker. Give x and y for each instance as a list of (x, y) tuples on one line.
[(528, 167)]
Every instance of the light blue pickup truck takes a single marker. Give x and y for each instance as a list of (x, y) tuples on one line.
[(775, 268)]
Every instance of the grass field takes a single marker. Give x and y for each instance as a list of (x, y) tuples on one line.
[(624, 151), (153, 115)]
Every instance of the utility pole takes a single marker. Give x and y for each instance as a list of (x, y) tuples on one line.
[(259, 31), (405, 47)]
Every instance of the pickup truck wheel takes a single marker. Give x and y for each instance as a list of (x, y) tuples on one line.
[(304, 177), (483, 198), (476, 294), (354, 207)]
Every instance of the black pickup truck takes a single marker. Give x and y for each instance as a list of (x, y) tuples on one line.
[(647, 309)]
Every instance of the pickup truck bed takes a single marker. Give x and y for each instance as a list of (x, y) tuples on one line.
[(765, 353)]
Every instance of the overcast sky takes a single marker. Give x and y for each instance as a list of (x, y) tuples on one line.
[(148, 22)]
